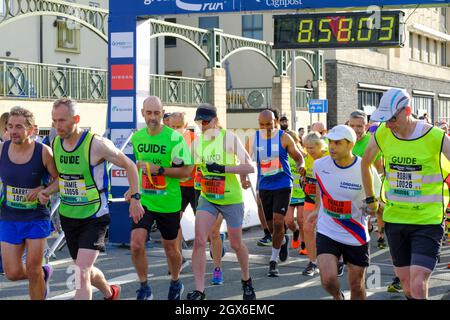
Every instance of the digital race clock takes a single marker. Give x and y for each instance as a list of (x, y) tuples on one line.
[(339, 30)]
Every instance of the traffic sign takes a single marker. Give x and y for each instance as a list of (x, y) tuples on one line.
[(318, 106)]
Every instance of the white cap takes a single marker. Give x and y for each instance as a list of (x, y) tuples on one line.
[(341, 132), (391, 102)]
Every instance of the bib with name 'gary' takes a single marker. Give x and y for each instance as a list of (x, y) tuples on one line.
[(17, 181), (83, 189)]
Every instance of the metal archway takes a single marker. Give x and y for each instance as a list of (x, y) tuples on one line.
[(20, 9)]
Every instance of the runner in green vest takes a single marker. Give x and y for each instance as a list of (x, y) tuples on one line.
[(297, 200), (414, 192), (217, 152), (163, 158), (81, 160)]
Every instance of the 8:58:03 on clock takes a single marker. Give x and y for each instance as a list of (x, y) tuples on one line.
[(339, 30)]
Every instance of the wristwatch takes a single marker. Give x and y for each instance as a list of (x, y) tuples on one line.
[(136, 196), (161, 171), (370, 200)]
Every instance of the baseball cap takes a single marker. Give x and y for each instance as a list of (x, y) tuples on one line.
[(341, 132), (166, 115), (391, 102), (205, 112)]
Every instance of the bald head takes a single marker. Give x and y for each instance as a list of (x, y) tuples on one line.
[(319, 127), (267, 115), (266, 120), (152, 111), (153, 102)]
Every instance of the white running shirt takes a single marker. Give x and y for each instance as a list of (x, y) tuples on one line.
[(342, 194)]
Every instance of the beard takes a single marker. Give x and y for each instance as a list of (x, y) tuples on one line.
[(284, 127)]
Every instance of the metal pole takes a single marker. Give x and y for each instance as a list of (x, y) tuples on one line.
[(293, 92)]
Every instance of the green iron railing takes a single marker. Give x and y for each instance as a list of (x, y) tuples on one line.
[(249, 98), (179, 90), (46, 82), (303, 95)]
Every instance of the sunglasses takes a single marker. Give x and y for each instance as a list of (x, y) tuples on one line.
[(394, 118), (203, 122)]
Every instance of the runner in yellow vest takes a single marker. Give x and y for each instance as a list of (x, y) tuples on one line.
[(297, 201), (217, 152), (81, 160), (414, 189), (177, 121)]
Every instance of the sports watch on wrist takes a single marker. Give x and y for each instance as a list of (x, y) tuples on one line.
[(161, 171), (370, 200), (136, 196)]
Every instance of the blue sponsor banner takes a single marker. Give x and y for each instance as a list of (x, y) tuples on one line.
[(274, 5), (169, 7)]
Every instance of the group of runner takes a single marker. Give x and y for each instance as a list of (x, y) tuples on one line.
[(325, 188)]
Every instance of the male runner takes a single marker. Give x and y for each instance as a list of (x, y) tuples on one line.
[(270, 148), (25, 223), (217, 152), (342, 226), (163, 158), (413, 189), (81, 160)]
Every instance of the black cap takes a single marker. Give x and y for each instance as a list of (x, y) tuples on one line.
[(206, 112), (166, 115)]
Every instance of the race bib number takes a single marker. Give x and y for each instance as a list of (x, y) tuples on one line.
[(198, 178), (72, 188), (405, 180), (271, 167), (17, 198), (155, 185), (310, 187), (337, 209), (213, 187)]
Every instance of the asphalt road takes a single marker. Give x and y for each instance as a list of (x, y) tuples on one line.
[(291, 285)]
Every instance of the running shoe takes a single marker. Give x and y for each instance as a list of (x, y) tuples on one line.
[(395, 286), (265, 241), (249, 292), (295, 244), (340, 266), (217, 277), (196, 295), (284, 251), (48, 271), (144, 293), (311, 269), (115, 292), (176, 289), (303, 252), (381, 243), (273, 269)]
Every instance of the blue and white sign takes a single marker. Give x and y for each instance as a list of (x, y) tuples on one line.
[(318, 106), (165, 7)]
